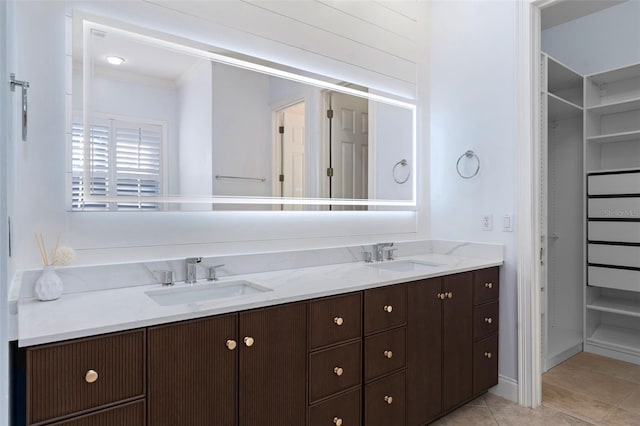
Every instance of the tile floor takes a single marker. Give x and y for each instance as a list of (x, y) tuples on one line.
[(585, 390)]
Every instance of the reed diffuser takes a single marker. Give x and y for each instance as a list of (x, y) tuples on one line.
[(49, 285)]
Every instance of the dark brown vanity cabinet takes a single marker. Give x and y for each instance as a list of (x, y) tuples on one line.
[(385, 329), (403, 354), (239, 369), (71, 382), (335, 360), (452, 326)]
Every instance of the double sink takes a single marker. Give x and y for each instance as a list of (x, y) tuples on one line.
[(208, 291)]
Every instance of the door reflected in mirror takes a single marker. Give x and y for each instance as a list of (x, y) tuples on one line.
[(174, 127)]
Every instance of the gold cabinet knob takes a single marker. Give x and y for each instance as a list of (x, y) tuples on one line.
[(439, 296), (388, 354), (388, 308), (487, 354), (231, 344), (248, 341), (488, 285), (450, 295), (338, 371), (338, 321), (91, 376), (337, 421), (388, 399), (488, 320)]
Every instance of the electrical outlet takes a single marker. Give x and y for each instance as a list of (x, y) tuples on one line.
[(487, 222), (507, 223)]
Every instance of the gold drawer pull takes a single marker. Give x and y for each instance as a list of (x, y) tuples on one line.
[(388, 308), (338, 371), (249, 341), (488, 320), (488, 285), (338, 321), (231, 344), (388, 354), (388, 399), (487, 354), (91, 376), (441, 296), (337, 421), (450, 295)]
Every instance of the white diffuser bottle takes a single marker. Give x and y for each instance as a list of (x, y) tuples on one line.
[(48, 285)]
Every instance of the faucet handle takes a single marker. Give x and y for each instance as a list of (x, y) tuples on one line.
[(194, 260), (165, 277), (212, 272), (391, 254), (368, 256)]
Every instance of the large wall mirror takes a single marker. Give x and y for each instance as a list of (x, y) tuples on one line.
[(163, 124)]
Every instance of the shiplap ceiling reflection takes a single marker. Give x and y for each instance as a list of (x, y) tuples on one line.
[(378, 38)]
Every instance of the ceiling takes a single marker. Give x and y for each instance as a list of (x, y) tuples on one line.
[(568, 10)]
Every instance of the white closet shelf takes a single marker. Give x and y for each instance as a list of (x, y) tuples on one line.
[(615, 137), (623, 339), (628, 169), (616, 306), (560, 109), (615, 107), (617, 74)]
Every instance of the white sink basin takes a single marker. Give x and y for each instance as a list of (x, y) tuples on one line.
[(201, 292), (405, 265)]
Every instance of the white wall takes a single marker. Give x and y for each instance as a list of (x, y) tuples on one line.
[(376, 49), (473, 106), (603, 40), (196, 127)]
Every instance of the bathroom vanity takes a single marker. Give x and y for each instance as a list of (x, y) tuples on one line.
[(378, 349)]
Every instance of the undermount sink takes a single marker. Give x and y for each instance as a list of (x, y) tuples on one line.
[(201, 292), (405, 265)]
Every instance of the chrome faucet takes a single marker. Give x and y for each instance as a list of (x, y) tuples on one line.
[(380, 249), (212, 272), (192, 271)]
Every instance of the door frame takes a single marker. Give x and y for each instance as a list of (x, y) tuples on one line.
[(528, 201)]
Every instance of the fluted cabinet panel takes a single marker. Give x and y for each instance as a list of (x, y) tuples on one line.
[(130, 414), (85, 374), (193, 373), (273, 370)]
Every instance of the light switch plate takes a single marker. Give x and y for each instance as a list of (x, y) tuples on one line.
[(507, 223)]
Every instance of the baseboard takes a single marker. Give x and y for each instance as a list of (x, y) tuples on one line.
[(612, 353), (506, 388), (561, 357)]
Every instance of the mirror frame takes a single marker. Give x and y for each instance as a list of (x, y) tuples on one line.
[(163, 40)]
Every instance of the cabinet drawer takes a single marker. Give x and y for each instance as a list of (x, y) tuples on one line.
[(385, 308), (131, 414), (485, 364), (384, 352), (485, 320), (620, 279), (345, 409), (486, 285), (335, 369), (385, 402), (335, 319), (619, 183), (61, 376)]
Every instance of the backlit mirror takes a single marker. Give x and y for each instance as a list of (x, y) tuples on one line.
[(173, 126)]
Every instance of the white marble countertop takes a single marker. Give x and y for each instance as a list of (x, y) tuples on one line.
[(102, 311)]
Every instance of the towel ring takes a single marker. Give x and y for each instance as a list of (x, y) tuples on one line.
[(402, 163), (469, 154)]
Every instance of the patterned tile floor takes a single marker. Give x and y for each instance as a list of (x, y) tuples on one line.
[(585, 390)]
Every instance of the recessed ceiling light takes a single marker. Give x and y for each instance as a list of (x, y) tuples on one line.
[(115, 60)]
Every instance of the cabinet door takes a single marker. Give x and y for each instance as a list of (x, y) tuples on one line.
[(424, 351), (273, 366), (193, 371), (457, 340)]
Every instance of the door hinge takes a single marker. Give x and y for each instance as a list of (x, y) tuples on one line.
[(330, 171), (281, 130), (281, 178), (9, 236), (329, 114), (541, 256)]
